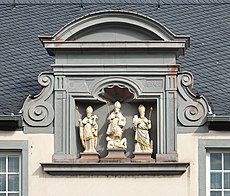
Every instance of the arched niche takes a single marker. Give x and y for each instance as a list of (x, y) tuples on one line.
[(128, 109), (114, 92), (106, 92), (111, 89)]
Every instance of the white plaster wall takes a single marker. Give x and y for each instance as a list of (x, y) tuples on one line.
[(41, 148), (112, 186), (187, 148)]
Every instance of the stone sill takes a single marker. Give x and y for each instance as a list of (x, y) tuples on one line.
[(115, 169)]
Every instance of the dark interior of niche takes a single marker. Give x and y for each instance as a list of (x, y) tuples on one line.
[(115, 93), (102, 110)]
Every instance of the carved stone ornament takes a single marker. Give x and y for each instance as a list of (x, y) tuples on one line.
[(119, 92), (141, 126), (38, 110), (112, 89), (88, 130), (192, 109)]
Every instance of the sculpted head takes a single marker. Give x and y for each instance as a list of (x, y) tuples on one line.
[(117, 106), (141, 110), (89, 111)]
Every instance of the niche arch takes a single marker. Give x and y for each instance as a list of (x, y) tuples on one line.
[(125, 90)]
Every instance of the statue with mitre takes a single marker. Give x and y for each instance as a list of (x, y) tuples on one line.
[(141, 126), (88, 131), (115, 128)]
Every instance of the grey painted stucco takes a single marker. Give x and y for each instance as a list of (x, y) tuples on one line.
[(82, 70)]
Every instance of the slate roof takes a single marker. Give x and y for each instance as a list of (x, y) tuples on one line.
[(22, 56)]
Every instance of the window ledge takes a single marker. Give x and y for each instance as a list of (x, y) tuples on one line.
[(121, 169)]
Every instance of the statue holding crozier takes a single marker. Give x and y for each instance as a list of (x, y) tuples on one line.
[(88, 131), (141, 126)]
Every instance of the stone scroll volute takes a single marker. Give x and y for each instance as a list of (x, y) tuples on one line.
[(38, 110), (192, 108)]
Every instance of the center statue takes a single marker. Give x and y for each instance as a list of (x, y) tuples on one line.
[(115, 129)]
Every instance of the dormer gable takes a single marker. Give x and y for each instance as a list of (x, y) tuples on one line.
[(113, 29)]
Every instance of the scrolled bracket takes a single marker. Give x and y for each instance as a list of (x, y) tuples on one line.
[(38, 110), (192, 108)]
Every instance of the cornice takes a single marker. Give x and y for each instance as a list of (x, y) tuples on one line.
[(115, 169)]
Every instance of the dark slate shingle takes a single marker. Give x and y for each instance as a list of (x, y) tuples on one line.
[(22, 56)]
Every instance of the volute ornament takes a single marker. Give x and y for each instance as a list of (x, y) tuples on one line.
[(38, 110), (192, 109)]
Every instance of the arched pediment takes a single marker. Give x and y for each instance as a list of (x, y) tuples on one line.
[(112, 30), (114, 26)]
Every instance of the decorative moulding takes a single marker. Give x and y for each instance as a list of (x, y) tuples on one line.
[(115, 169), (113, 70)]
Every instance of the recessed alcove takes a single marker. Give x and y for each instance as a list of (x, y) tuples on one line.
[(116, 92), (103, 110)]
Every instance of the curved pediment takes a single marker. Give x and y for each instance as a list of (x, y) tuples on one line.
[(116, 31), (114, 26), (112, 30)]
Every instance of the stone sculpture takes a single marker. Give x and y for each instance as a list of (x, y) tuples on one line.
[(141, 126), (115, 128), (88, 131)]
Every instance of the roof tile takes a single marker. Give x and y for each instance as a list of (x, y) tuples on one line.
[(23, 57)]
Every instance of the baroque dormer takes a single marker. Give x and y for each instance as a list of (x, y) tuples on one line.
[(112, 56)]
